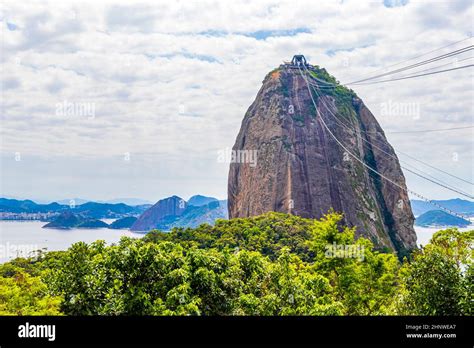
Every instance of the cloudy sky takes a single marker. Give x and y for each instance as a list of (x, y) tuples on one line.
[(107, 99)]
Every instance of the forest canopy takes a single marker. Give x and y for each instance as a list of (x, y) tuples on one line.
[(273, 264)]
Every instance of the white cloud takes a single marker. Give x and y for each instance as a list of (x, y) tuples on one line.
[(170, 83)]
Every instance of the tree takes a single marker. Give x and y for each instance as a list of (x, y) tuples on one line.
[(438, 281), (23, 294), (273, 264), (364, 280)]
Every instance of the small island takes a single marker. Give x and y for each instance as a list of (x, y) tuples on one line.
[(123, 223), (439, 218), (68, 220)]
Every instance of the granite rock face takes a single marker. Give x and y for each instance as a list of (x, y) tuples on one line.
[(302, 170)]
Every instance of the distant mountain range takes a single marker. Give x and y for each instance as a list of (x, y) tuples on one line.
[(457, 205), (27, 206), (440, 218), (164, 215), (67, 220), (176, 212), (127, 201), (12, 209), (123, 223), (78, 201), (199, 200)]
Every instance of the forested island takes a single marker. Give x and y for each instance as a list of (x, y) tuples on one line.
[(441, 219)]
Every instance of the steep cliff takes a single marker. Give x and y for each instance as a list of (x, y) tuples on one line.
[(301, 169)]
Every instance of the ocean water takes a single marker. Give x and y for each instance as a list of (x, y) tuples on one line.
[(19, 238), (424, 233)]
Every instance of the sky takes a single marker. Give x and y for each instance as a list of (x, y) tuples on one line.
[(107, 99)]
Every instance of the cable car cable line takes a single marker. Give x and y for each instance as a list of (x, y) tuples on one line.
[(407, 155), (365, 164)]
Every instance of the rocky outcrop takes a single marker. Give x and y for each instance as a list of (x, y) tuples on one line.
[(174, 212), (152, 217), (300, 169)]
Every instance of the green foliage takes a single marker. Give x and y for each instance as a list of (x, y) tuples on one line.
[(439, 279), (267, 234), (22, 290), (340, 92), (140, 278), (23, 294), (273, 264)]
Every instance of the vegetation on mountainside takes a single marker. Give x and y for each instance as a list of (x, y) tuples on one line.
[(339, 92), (274, 264)]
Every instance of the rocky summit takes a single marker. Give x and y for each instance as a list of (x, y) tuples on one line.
[(301, 169)]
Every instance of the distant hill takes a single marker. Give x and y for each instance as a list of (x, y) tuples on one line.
[(64, 221), (440, 218), (75, 201), (194, 216), (175, 212), (92, 210), (199, 200), (165, 214), (167, 208), (457, 205), (28, 206), (105, 210), (67, 220), (129, 201), (123, 223)]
